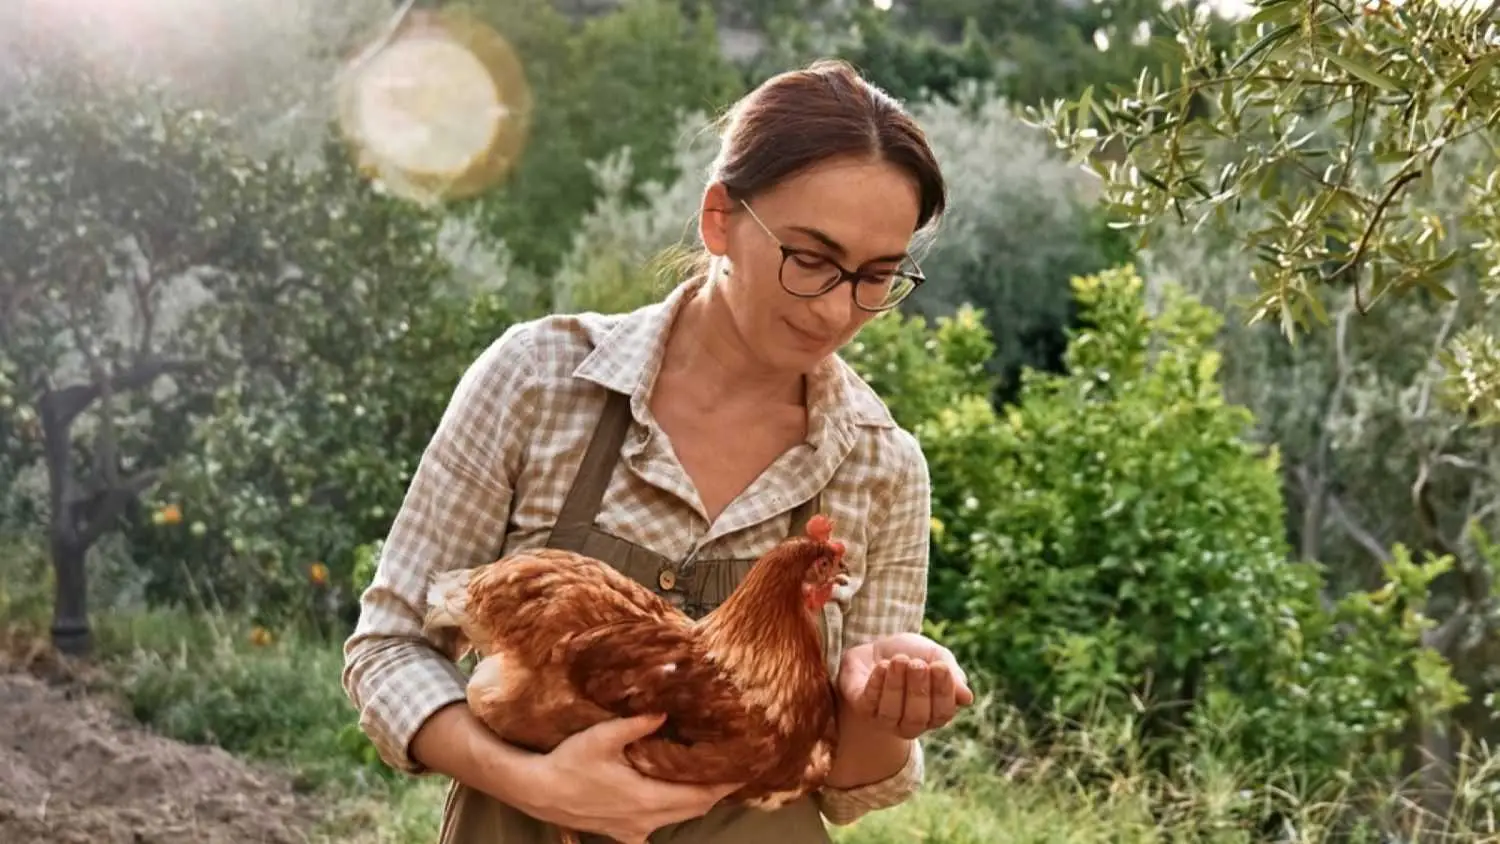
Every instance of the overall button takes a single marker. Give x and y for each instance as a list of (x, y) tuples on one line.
[(667, 579)]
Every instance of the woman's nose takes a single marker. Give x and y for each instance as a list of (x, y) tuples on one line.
[(835, 308)]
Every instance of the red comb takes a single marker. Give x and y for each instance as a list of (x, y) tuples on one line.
[(820, 527)]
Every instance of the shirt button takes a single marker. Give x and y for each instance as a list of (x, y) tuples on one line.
[(667, 579)]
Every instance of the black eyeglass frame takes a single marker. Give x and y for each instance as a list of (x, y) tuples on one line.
[(854, 277)]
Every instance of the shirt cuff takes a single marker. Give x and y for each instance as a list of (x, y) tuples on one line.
[(843, 806), (411, 686)]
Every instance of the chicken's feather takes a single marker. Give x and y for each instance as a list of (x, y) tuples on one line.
[(536, 599), (640, 666)]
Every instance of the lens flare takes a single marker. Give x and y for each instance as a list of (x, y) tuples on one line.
[(437, 109)]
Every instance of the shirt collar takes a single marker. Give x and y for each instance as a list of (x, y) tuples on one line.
[(627, 357)]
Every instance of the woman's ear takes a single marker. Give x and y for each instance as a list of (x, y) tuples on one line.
[(714, 217)]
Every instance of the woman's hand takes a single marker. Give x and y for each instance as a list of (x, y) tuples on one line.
[(585, 784), (906, 684)]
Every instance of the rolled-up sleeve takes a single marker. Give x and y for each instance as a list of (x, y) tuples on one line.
[(454, 515), (892, 600)]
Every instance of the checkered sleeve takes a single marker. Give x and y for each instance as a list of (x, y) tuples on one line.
[(892, 600), (454, 515)]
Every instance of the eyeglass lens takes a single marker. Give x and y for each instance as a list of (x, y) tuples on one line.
[(809, 275)]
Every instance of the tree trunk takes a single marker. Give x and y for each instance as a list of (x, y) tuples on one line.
[(70, 618), (70, 621)]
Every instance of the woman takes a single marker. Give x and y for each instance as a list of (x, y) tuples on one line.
[(678, 443)]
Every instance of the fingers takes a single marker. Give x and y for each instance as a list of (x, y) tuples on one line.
[(917, 710), (965, 695), (944, 700), (962, 693), (893, 695), (622, 731), (868, 703), (910, 694)]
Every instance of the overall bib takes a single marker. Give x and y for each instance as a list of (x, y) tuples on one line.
[(472, 817)]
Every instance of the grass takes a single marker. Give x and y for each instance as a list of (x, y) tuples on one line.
[(213, 678)]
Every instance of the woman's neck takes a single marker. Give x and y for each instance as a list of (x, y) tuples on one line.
[(707, 360)]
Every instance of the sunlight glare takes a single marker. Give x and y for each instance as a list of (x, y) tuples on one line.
[(428, 106), (437, 109)]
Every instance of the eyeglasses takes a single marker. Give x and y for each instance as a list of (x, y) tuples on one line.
[(808, 275)]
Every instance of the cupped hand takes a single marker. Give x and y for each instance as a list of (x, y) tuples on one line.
[(906, 684), (586, 785)]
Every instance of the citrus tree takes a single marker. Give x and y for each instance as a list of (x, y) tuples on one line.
[(154, 264)]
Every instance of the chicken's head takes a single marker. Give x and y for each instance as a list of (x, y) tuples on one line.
[(825, 567)]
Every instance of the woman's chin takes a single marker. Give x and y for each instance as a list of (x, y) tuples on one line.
[(807, 347)]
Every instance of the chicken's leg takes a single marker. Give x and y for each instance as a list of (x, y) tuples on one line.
[(569, 836)]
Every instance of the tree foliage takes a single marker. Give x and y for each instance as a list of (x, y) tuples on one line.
[(161, 274), (618, 80), (284, 481), (1324, 117), (118, 222)]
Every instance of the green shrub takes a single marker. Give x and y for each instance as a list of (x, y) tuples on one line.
[(1114, 536), (920, 369), (208, 678)]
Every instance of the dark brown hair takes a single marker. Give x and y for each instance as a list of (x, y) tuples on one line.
[(800, 118)]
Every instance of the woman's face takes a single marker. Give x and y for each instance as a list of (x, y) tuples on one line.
[(857, 214)]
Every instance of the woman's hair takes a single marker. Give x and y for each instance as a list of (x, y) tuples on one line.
[(800, 118)]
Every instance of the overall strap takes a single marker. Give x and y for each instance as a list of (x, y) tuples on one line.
[(803, 513), (576, 518)]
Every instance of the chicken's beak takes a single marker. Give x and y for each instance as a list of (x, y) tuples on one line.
[(841, 579)]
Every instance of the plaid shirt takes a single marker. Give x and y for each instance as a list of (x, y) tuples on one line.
[(493, 478)]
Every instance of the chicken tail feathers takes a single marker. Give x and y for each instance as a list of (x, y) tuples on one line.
[(448, 612)]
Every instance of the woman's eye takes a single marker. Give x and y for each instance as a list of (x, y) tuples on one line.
[(809, 262)]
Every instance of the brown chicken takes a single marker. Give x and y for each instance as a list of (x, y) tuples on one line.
[(566, 642)]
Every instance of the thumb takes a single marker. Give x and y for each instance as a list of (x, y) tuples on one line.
[(622, 731)]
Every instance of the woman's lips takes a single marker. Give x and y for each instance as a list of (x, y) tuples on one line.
[(810, 337)]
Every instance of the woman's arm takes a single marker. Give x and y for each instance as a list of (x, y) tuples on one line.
[(454, 515), (455, 743), (874, 769)]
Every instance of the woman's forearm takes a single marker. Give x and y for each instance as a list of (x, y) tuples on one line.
[(866, 753), (455, 743)]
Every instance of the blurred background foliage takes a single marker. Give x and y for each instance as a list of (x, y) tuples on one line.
[(222, 352)]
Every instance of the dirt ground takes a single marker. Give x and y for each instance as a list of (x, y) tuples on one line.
[(73, 770)]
